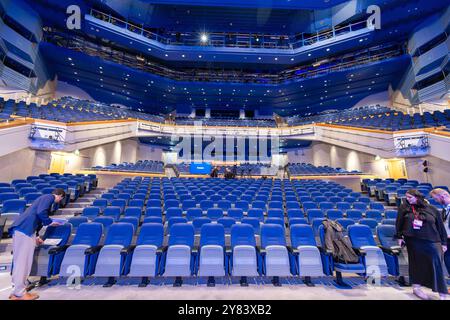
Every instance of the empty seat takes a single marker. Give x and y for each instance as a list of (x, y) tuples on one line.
[(235, 213), (374, 214), (334, 214), (227, 223), (113, 212), (193, 213), (214, 213), (78, 255), (313, 214), (111, 258), (199, 222), (276, 257), (244, 261), (144, 262), (355, 215), (178, 258), (308, 257), (275, 213), (91, 212), (153, 212), (133, 212), (100, 203), (213, 262), (206, 204)]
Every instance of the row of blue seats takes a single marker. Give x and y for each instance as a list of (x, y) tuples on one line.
[(148, 257), (300, 169)]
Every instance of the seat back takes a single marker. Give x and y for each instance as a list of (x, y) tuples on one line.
[(212, 234), (62, 232), (272, 234), (182, 234), (14, 206), (242, 234), (88, 234), (113, 212), (120, 233), (385, 234), (151, 234), (360, 235), (302, 235)]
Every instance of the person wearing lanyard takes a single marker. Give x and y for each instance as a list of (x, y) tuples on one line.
[(443, 198), (419, 225)]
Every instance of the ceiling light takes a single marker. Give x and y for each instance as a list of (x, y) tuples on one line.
[(204, 38)]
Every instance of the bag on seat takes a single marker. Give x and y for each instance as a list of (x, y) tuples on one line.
[(339, 245)]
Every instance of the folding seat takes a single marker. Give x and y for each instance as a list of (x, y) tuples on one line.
[(254, 222), (100, 203), (275, 258), (244, 257), (91, 212), (153, 212), (276, 199), (345, 222), (200, 197), (179, 260), (17, 181), (30, 197), (294, 221), (360, 206), (76, 221), (256, 213), (390, 214), (231, 198), (259, 205), (173, 212), (349, 199), (105, 221), (334, 200), (111, 258), (242, 205), (309, 205), (275, 213), (275, 220), (314, 213), (389, 221), (227, 222), (121, 203), (140, 196), (187, 204), (356, 195), (7, 190), (377, 206), (295, 213), (303, 199), (206, 204), (113, 212), (291, 199), (214, 213), (169, 197), (343, 206), (334, 214), (316, 223), (193, 213), (210, 193), (131, 220), (153, 203), (396, 256), (320, 199), (8, 196), (372, 256), (171, 204), (199, 222), (108, 196), (11, 209), (146, 256), (341, 267), (235, 213), (20, 186), (215, 198), (4, 185), (213, 261), (175, 220), (224, 205), (78, 255), (276, 205), (324, 206), (136, 203), (309, 261), (133, 212), (371, 223), (355, 215), (374, 214)]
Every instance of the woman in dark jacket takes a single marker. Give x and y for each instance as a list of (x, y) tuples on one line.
[(420, 226)]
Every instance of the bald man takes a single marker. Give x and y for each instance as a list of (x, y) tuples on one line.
[(443, 197)]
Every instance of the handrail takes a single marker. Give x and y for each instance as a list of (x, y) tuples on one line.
[(242, 40)]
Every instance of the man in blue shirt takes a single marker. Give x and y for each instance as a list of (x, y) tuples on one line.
[(24, 231)]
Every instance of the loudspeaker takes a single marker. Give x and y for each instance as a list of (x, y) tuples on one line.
[(425, 166)]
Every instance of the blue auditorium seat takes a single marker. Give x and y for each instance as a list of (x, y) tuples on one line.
[(244, 258), (355, 215), (213, 262), (235, 213), (91, 212), (227, 223), (133, 212), (334, 214), (105, 221), (179, 260), (275, 213), (113, 212), (275, 257), (199, 222), (111, 258), (254, 222), (295, 213), (134, 221), (256, 213), (146, 255), (313, 214)]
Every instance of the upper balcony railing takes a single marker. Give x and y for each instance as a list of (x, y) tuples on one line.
[(233, 39)]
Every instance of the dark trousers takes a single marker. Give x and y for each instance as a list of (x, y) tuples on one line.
[(447, 256)]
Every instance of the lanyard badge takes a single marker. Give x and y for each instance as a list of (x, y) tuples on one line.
[(417, 223)]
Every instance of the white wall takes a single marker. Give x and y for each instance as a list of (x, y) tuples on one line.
[(438, 174), (323, 154), (23, 163), (146, 152)]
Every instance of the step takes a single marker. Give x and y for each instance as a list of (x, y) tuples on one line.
[(68, 211)]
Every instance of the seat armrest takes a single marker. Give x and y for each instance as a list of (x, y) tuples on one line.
[(359, 251), (93, 250), (195, 250), (392, 250), (128, 249), (325, 251), (261, 251), (56, 250), (161, 249), (228, 250)]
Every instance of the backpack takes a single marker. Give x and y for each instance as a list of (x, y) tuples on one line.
[(339, 245)]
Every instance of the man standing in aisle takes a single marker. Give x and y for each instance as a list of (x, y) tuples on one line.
[(24, 230), (443, 197)]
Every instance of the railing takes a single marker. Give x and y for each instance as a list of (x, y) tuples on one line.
[(233, 40)]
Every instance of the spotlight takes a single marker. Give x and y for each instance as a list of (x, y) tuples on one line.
[(204, 38)]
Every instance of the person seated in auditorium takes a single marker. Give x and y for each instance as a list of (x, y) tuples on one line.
[(214, 172), (419, 225), (228, 174)]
